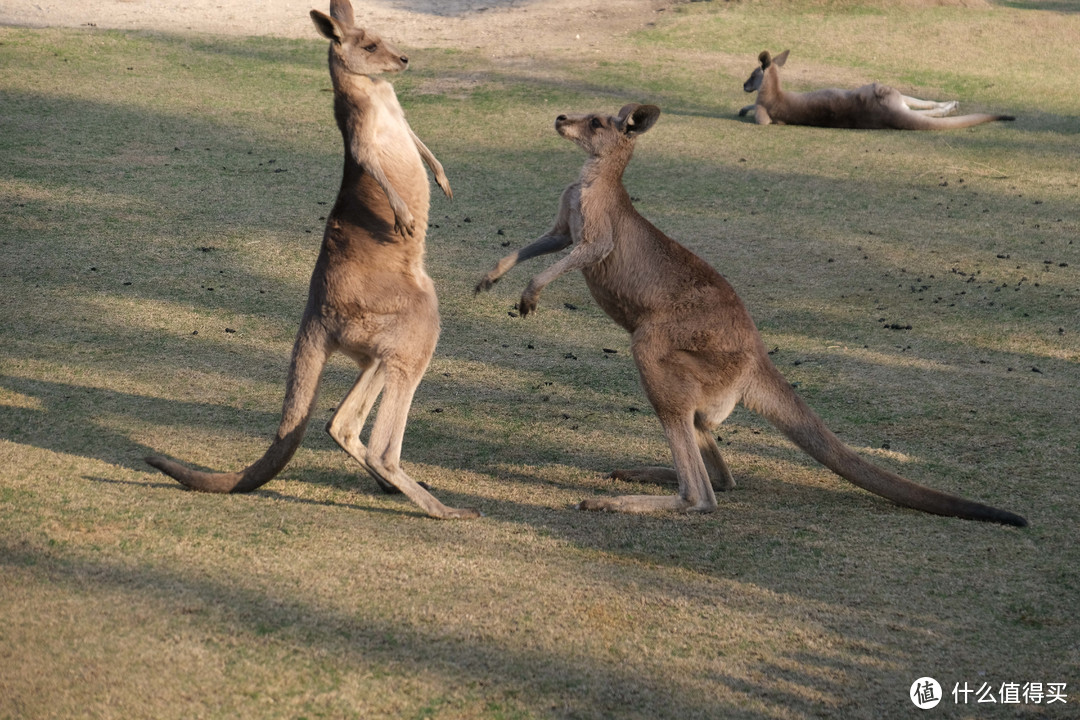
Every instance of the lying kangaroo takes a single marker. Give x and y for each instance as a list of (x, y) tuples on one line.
[(696, 348), (369, 296), (870, 107)]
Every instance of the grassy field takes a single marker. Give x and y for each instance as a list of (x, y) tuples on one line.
[(161, 204)]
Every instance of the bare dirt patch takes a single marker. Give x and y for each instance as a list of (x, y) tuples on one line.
[(501, 27)]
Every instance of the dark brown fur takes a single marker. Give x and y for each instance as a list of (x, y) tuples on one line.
[(696, 348), (369, 296), (870, 107)]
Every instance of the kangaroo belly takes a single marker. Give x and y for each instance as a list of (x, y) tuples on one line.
[(610, 302)]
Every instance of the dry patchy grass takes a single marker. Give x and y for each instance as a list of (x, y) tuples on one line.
[(161, 201)]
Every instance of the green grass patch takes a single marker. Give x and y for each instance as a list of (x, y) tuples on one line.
[(162, 199)]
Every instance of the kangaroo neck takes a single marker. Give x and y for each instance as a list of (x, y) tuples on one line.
[(601, 175), (351, 87), (770, 85)]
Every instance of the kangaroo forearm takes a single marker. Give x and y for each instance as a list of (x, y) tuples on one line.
[(582, 256), (544, 245), (433, 163)]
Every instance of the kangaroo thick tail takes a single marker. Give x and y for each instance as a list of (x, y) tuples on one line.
[(921, 122), (772, 397), (309, 356)]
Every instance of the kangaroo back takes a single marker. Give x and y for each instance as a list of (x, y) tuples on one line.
[(771, 396)]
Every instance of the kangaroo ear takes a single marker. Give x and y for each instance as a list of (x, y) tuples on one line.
[(781, 58), (341, 10), (765, 59), (635, 119), (327, 26)]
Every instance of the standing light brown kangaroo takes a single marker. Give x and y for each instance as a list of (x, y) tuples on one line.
[(369, 296), (697, 350), (870, 107)]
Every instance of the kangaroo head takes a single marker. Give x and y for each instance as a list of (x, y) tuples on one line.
[(753, 83), (358, 51), (599, 134), (766, 62)]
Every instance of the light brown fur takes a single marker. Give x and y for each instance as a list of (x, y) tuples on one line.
[(696, 348), (870, 107), (369, 295)]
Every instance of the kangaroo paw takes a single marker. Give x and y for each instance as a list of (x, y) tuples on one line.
[(485, 284)]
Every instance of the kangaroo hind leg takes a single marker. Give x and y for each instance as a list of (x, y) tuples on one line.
[(930, 108), (719, 475), (695, 492), (383, 455), (348, 420)]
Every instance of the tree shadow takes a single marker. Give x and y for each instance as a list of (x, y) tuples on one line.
[(115, 448), (457, 9), (589, 686), (66, 416), (1061, 6)]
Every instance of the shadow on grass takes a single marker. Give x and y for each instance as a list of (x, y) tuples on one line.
[(170, 198), (406, 510), (1061, 6), (570, 683), (70, 410), (438, 8), (68, 421), (554, 83)]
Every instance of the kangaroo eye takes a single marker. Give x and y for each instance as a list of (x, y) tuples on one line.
[(371, 48), (596, 124)]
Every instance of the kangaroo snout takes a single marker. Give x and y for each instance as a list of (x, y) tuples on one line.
[(561, 124), (753, 83)]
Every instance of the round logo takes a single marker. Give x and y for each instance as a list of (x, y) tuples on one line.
[(925, 693)]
